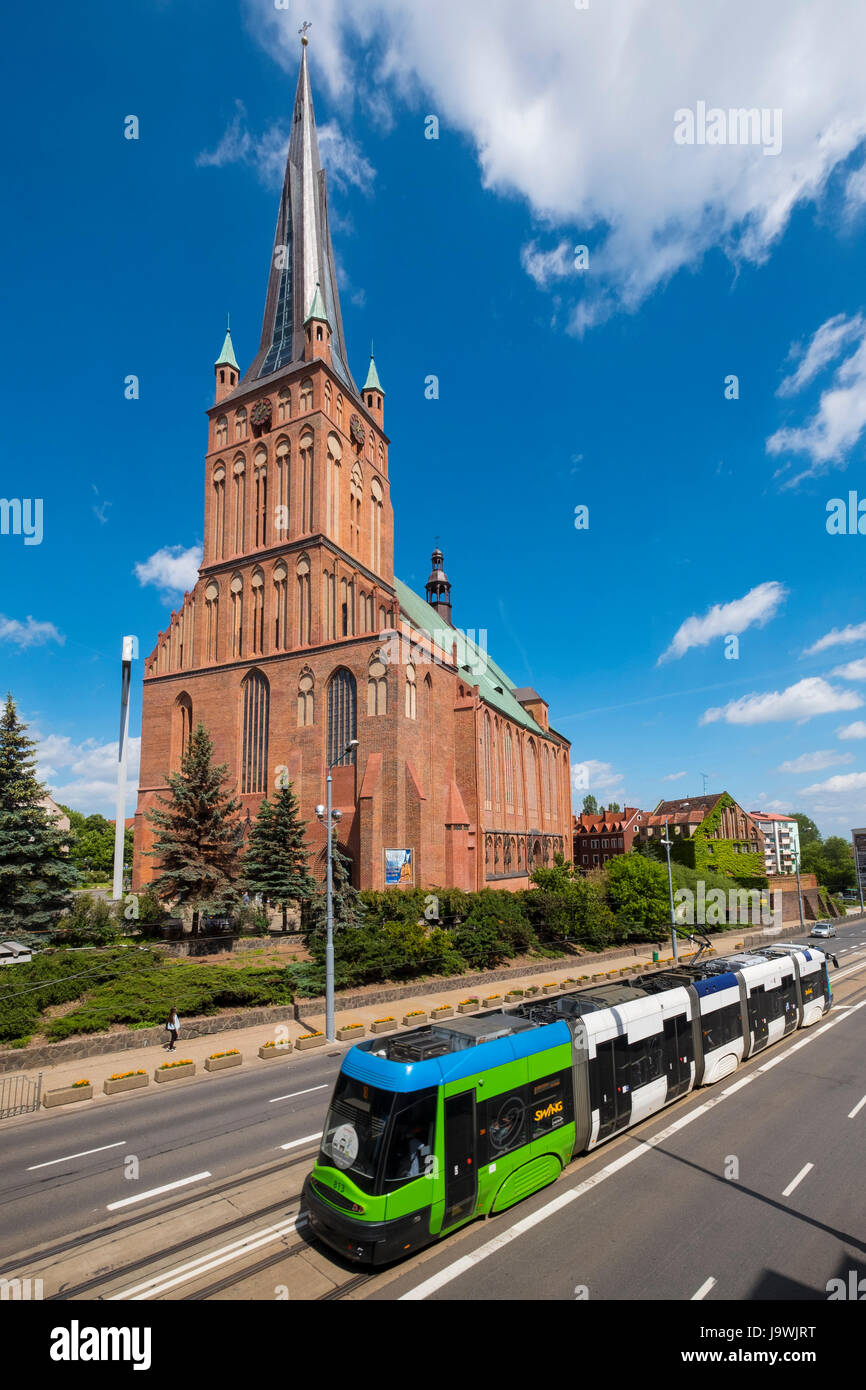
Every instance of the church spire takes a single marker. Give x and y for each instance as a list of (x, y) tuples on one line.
[(303, 256), (439, 587), (226, 368), (374, 392)]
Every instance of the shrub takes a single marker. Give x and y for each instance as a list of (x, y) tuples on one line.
[(91, 922)]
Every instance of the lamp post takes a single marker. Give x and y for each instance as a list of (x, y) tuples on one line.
[(129, 654), (333, 818), (667, 844)]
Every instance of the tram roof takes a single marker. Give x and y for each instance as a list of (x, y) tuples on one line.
[(491, 1041)]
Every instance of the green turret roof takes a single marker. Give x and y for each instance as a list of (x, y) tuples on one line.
[(373, 383), (227, 356), (317, 308)]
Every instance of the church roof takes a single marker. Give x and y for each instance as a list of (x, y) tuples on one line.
[(373, 383), (317, 308), (480, 669), (227, 356), (302, 256)]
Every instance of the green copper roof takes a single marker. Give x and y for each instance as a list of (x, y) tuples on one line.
[(493, 684), (317, 308), (373, 383), (227, 356)]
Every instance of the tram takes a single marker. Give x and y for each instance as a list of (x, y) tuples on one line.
[(431, 1128)]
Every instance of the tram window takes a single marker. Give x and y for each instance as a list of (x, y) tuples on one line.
[(551, 1104), (647, 1060), (721, 1026), (355, 1126), (411, 1143)]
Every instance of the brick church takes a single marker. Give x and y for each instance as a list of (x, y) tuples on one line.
[(300, 651)]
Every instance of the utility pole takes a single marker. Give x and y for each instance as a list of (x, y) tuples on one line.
[(333, 817), (129, 653), (799, 889), (667, 842)]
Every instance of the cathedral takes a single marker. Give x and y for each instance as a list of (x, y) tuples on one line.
[(300, 651)]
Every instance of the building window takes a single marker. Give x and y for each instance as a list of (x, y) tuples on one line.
[(376, 505), (261, 484), (488, 764), (281, 513), (222, 431), (212, 602), (411, 693), (509, 771), (342, 718), (241, 424), (306, 396), (335, 454), (219, 510), (531, 780), (284, 405), (182, 728), (307, 483), (281, 599), (340, 411), (256, 698), (237, 592), (377, 686), (304, 602), (328, 393), (239, 508), (258, 588), (306, 708), (356, 494)]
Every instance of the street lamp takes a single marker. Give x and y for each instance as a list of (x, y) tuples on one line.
[(799, 889), (129, 653), (331, 818), (667, 844)]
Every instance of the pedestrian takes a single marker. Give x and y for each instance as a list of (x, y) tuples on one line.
[(173, 1028)]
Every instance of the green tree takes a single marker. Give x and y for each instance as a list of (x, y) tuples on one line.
[(349, 910), (590, 806), (809, 832), (275, 863), (833, 866), (91, 844), (637, 891), (614, 806), (199, 837), (36, 877)]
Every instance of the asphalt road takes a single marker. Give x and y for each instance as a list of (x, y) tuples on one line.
[(63, 1171)]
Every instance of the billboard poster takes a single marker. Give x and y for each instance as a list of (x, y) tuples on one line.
[(398, 868)]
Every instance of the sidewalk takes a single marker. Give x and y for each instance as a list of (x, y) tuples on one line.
[(248, 1040)]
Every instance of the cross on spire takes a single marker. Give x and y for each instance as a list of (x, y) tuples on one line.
[(307, 24)]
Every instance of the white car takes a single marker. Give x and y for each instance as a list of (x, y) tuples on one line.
[(823, 929)]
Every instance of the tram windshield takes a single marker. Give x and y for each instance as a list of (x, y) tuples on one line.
[(355, 1128)]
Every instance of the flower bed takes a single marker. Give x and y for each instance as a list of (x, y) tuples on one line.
[(125, 1081), (383, 1025), (443, 1011), (308, 1040), (221, 1061), (274, 1049), (350, 1031), (414, 1018), (467, 1006), (65, 1095), (173, 1071)]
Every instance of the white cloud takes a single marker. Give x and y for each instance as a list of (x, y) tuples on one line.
[(814, 762), (573, 111), (266, 153), (172, 570), (851, 671), (844, 782), (838, 637), (546, 266), (758, 606), (594, 776), (801, 702), (826, 345), (30, 633), (674, 776), (855, 730), (831, 432), (84, 775)]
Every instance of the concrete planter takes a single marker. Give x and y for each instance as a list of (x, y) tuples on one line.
[(174, 1073), (125, 1083), (348, 1034), (66, 1095), (303, 1044), (531, 989), (222, 1063), (386, 1026), (514, 994), (552, 989), (468, 1008), (414, 1020), (493, 1001), (280, 1050), (447, 1011)]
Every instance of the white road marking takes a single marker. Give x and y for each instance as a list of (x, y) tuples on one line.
[(307, 1139), (181, 1274), (308, 1092), (69, 1157), (857, 1108), (799, 1178), (703, 1291), (157, 1191), (467, 1262)]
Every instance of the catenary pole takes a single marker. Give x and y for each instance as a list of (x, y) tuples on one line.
[(129, 652)]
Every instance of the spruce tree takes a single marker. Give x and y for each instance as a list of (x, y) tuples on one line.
[(200, 836), (348, 908), (275, 864), (36, 877)]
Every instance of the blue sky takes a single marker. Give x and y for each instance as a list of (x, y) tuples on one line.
[(559, 387)]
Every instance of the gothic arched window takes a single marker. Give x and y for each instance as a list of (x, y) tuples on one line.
[(255, 701), (241, 424), (258, 588), (236, 589), (307, 482), (377, 686), (219, 511), (304, 604), (222, 431), (342, 718), (531, 780), (306, 709), (239, 505), (376, 504), (356, 494), (411, 693), (212, 608), (281, 599), (340, 411), (284, 405), (306, 395), (328, 401), (488, 764), (509, 771), (335, 454), (182, 728), (281, 499), (260, 474)]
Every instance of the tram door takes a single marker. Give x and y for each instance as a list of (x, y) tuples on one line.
[(461, 1181), (758, 1018), (610, 1088), (678, 1052)]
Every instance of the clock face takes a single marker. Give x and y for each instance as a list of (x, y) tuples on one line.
[(359, 434)]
